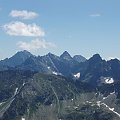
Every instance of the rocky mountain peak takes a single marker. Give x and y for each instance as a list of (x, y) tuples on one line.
[(66, 56)]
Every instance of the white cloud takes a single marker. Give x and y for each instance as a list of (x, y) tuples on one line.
[(35, 45), (24, 14), (22, 29), (95, 15)]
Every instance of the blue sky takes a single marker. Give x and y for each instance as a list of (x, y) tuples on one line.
[(81, 27)]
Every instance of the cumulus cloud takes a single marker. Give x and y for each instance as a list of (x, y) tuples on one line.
[(95, 15), (35, 45), (22, 29), (24, 14)]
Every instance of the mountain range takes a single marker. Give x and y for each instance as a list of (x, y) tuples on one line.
[(52, 87), (49, 63)]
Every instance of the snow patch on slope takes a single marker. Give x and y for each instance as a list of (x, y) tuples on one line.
[(111, 109), (77, 75), (23, 118), (2, 103), (55, 73), (16, 90), (109, 80), (48, 67), (99, 103)]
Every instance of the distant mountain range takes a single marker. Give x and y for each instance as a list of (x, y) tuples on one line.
[(65, 65), (49, 63), (61, 87)]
